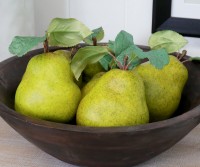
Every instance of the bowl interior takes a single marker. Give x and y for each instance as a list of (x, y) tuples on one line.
[(12, 70)]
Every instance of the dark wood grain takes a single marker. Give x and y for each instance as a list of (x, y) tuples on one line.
[(87, 146)]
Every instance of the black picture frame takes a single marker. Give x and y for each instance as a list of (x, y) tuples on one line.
[(162, 20)]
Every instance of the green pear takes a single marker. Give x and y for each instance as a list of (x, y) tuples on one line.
[(92, 69), (163, 87), (65, 53), (47, 89), (117, 99), (86, 89)]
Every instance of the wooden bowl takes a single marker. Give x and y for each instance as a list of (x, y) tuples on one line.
[(88, 146)]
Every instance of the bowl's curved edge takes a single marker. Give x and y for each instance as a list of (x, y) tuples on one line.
[(192, 115), (6, 111), (189, 120)]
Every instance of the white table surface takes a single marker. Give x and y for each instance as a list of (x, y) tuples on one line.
[(15, 151)]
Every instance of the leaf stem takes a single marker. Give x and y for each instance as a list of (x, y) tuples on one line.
[(118, 63), (125, 62), (46, 46)]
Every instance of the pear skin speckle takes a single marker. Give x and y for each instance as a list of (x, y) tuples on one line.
[(117, 99), (47, 90), (163, 87), (89, 86)]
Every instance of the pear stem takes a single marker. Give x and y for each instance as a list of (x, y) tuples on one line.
[(94, 41), (184, 52), (178, 55), (46, 46)]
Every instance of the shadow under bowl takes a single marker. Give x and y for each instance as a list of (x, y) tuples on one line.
[(89, 146)]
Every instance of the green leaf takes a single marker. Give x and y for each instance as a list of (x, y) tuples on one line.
[(123, 41), (167, 39), (113, 64), (66, 32), (123, 46), (111, 45), (105, 61), (158, 58), (133, 59), (86, 55), (97, 33), (21, 45), (128, 52)]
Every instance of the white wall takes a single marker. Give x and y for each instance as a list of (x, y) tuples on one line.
[(113, 15), (17, 18), (46, 10), (22, 17), (134, 16)]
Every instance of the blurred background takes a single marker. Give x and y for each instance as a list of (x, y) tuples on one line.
[(31, 17)]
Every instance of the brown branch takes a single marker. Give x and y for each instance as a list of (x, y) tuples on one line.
[(125, 62), (46, 46), (184, 52), (118, 63), (185, 61)]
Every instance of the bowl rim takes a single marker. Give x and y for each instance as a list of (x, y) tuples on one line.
[(191, 114)]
